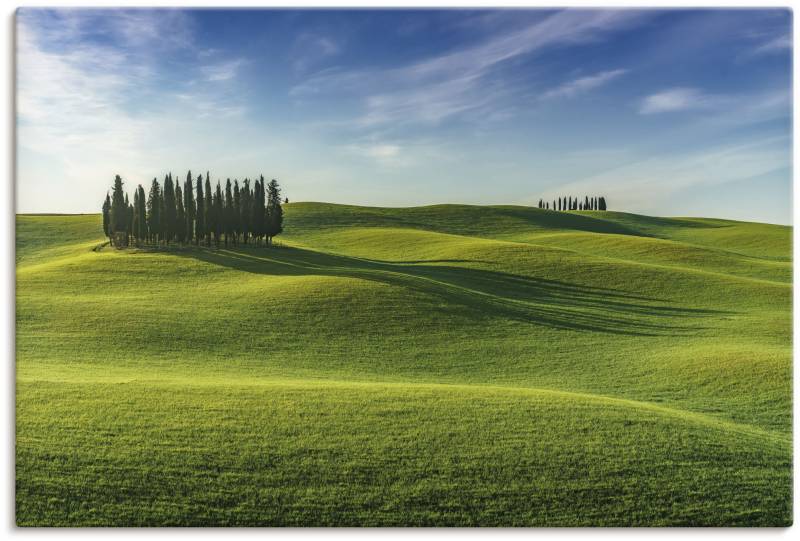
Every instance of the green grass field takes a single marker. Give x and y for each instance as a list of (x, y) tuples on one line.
[(441, 365)]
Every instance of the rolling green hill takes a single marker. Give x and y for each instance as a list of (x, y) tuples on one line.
[(441, 365)]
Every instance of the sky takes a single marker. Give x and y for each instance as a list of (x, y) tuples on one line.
[(663, 112)]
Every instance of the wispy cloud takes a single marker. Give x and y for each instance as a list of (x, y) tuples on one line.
[(774, 45), (583, 84), (446, 85), (644, 185), (310, 49), (222, 71), (94, 107)]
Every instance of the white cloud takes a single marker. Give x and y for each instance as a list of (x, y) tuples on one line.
[(91, 108), (583, 84), (676, 99)]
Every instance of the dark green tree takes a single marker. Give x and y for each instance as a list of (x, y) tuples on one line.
[(237, 211), (169, 218), (119, 209), (154, 212), (200, 218), (180, 215), (209, 221), (107, 216), (128, 220), (218, 214), (135, 224), (189, 207), (142, 231), (228, 217), (274, 211)]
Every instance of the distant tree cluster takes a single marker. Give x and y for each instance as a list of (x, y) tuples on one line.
[(195, 213), (573, 203)]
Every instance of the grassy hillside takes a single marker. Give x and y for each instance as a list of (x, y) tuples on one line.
[(443, 365)]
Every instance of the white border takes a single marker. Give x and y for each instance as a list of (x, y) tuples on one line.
[(7, 316)]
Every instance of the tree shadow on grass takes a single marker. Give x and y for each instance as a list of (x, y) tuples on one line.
[(552, 303)]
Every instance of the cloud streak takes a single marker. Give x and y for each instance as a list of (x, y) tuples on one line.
[(463, 80), (582, 85), (641, 186)]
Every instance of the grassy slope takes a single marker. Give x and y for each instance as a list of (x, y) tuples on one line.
[(434, 365)]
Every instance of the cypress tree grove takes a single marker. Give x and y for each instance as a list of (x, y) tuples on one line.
[(229, 214), (200, 217)]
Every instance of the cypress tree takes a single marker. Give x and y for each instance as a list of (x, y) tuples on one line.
[(237, 211), (218, 213), (189, 207), (154, 212), (209, 221), (169, 218), (228, 220), (274, 211), (119, 209), (260, 209), (142, 232), (135, 224), (245, 210), (107, 216), (128, 220), (180, 215), (200, 219)]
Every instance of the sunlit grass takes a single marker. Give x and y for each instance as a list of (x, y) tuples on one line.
[(439, 365)]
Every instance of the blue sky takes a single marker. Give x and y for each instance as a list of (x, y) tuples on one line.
[(674, 113)]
